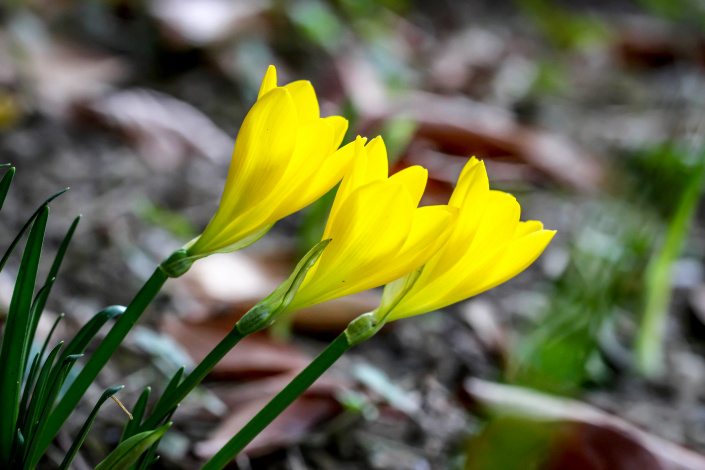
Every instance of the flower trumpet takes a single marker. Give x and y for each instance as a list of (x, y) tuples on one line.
[(487, 246), (375, 233), (284, 159)]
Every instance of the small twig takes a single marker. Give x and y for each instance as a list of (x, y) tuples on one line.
[(129, 415)]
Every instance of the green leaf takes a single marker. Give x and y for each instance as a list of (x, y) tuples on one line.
[(169, 391), (78, 441), (29, 222), (129, 451), (36, 404), (13, 353), (51, 276), (101, 356), (268, 310), (33, 454), (51, 333), (29, 384), (132, 426), (5, 183), (84, 336)]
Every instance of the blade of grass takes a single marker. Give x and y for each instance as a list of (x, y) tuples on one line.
[(33, 454), (5, 183), (29, 222), (78, 441), (29, 384), (13, 353), (132, 425), (658, 284), (39, 394), (51, 276), (100, 357), (129, 451)]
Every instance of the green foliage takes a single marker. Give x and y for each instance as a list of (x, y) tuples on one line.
[(565, 29), (30, 384), (71, 454), (14, 345), (510, 443), (130, 450)]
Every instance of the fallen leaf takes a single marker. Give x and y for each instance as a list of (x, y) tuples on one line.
[(523, 402), (165, 129), (205, 22), (460, 126), (256, 355), (237, 281)]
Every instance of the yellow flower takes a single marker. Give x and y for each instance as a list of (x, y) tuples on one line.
[(284, 159), (377, 232), (488, 245)]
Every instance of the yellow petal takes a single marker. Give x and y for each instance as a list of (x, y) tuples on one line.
[(520, 254), (312, 148), (262, 152), (377, 163), (440, 284), (304, 97), (525, 228), (269, 82), (414, 179), (326, 177), (353, 179), (371, 227), (429, 231), (340, 127)]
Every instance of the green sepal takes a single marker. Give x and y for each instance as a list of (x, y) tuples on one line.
[(268, 310), (78, 441), (129, 451), (367, 325), (177, 263)]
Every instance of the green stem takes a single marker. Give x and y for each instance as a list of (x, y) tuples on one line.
[(192, 380), (658, 284), (279, 403), (101, 356)]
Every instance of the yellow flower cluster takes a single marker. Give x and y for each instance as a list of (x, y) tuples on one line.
[(287, 156)]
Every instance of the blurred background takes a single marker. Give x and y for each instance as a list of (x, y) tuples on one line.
[(589, 112)]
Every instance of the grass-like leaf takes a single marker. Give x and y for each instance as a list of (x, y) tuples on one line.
[(39, 396), (84, 336), (28, 224), (13, 353), (160, 409), (41, 301), (132, 426), (33, 454), (129, 451), (78, 441), (5, 183), (29, 384)]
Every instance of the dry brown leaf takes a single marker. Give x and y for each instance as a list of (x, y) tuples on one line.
[(64, 74), (165, 129), (203, 23), (524, 402), (460, 126), (288, 428), (237, 281), (256, 355), (585, 446)]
